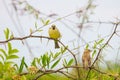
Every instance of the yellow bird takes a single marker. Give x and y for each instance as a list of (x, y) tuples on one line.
[(55, 34), (86, 59)]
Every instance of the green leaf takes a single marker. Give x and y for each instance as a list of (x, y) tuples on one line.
[(63, 49), (2, 57), (70, 62), (16, 66), (11, 37), (94, 52), (22, 65), (59, 18), (103, 46), (31, 30), (95, 45), (65, 61), (100, 41), (39, 30), (48, 60), (3, 51), (36, 15), (9, 47), (12, 57), (93, 6), (44, 60), (42, 21), (38, 60), (56, 55), (6, 32), (47, 22), (34, 62), (7, 64), (36, 25), (1, 64), (55, 63), (87, 46), (25, 65), (1, 67), (14, 51), (51, 53)]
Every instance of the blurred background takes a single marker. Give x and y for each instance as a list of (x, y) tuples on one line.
[(80, 22)]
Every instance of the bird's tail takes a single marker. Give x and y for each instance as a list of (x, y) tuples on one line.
[(56, 44), (86, 66)]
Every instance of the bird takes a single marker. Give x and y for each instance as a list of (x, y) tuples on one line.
[(55, 34), (86, 59)]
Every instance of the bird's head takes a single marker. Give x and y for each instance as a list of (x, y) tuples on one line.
[(88, 51), (53, 26)]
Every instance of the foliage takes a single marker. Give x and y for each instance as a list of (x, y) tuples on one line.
[(53, 65), (45, 65), (7, 56)]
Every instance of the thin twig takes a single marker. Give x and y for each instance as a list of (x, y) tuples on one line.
[(22, 38)]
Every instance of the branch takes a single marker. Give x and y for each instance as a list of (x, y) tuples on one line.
[(55, 71), (23, 38), (33, 36), (44, 72), (76, 63), (52, 71), (116, 25)]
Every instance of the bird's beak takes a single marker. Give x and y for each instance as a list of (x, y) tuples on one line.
[(53, 27)]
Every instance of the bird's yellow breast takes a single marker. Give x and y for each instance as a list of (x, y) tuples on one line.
[(54, 33)]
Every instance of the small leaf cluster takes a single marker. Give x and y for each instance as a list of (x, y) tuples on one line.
[(49, 60), (7, 56), (97, 45)]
